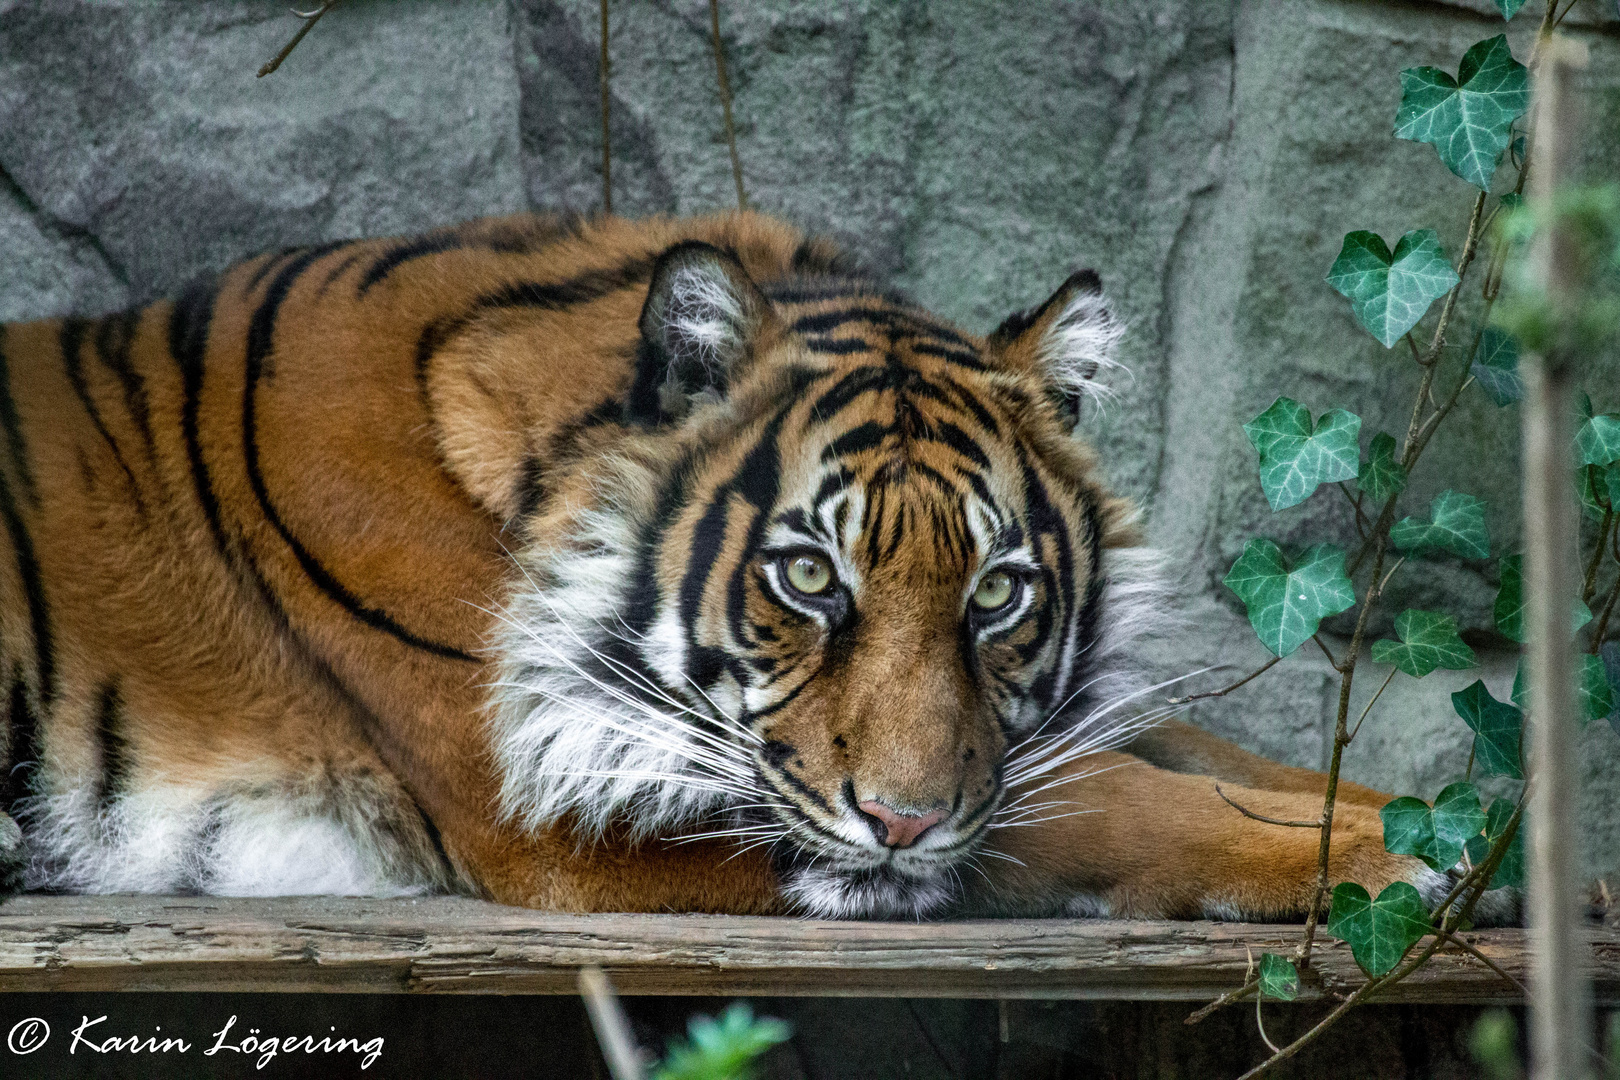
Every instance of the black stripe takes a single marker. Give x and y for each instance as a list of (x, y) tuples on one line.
[(961, 357), (260, 342), (189, 322), (960, 441), (13, 425), (896, 323), (579, 289), (838, 346), (338, 271), (72, 341), (415, 248), (39, 619), (270, 262), (115, 337), (113, 746), (867, 436), (22, 745)]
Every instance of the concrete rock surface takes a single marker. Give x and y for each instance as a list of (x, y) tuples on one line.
[(1207, 156)]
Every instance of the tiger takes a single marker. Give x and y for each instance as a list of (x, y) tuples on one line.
[(591, 564)]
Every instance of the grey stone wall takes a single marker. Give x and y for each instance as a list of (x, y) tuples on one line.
[(1206, 155)]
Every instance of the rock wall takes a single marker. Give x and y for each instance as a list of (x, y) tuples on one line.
[(1206, 155)]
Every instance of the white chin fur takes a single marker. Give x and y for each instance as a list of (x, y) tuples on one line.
[(825, 894)]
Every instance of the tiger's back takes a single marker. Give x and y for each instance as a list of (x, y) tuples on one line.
[(251, 567)]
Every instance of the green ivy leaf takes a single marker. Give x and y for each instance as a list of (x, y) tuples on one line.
[(1599, 439), (1379, 931), (1390, 292), (1496, 367), (1429, 640), (1468, 118), (1381, 475), (1509, 8), (1594, 697), (1434, 835), (1510, 871), (1591, 484), (1509, 607), (1513, 200), (1497, 726), (1456, 524), (1286, 604), (1295, 457), (1278, 979)]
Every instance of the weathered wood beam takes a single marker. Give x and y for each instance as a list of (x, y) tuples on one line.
[(459, 946)]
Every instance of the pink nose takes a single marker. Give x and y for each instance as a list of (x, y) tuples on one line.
[(895, 829)]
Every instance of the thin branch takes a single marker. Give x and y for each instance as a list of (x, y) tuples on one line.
[(310, 19), (1267, 666), (1601, 629), (1250, 985), (1362, 521), (1370, 704), (1320, 644), (1259, 999), (725, 102), (1453, 939), (1589, 582), (1400, 562), (606, 70), (1246, 812)]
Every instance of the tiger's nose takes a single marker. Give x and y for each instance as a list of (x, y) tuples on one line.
[(894, 829)]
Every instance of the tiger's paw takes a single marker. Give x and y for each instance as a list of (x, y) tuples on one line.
[(1496, 907)]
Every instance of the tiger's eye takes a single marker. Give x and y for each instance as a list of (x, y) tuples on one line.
[(995, 591), (809, 574)]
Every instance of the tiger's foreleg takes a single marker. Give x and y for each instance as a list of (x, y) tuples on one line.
[(1130, 840)]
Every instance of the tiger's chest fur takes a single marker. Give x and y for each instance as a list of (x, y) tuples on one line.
[(363, 566)]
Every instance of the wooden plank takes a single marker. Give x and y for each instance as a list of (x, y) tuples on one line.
[(459, 946)]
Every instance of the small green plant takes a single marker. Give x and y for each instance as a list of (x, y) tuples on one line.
[(1475, 120), (723, 1049)]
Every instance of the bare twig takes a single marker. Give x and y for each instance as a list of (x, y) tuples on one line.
[(1600, 629), (611, 1025), (1384, 583), (606, 71), (310, 19), (1320, 644), (1250, 985), (1261, 670), (725, 102), (1589, 580), (1453, 939), (1387, 678), (1362, 521), (1246, 812)]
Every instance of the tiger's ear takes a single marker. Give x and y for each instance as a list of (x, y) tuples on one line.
[(702, 318), (1066, 342)]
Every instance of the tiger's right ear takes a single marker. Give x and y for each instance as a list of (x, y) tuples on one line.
[(1066, 342), (702, 318)]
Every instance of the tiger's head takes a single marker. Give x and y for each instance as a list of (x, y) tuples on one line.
[(848, 581)]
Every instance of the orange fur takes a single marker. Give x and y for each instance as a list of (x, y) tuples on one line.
[(259, 540)]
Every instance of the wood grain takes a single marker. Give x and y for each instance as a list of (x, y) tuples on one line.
[(460, 946)]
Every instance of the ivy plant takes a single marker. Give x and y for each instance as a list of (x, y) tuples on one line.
[(1475, 120)]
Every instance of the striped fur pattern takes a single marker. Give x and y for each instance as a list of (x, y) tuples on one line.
[(590, 566)]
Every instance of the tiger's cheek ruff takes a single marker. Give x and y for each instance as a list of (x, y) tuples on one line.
[(586, 728)]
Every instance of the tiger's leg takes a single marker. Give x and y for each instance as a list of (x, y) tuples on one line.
[(1144, 842), (1180, 747)]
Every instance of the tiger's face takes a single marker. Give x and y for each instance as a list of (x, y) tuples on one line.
[(842, 605)]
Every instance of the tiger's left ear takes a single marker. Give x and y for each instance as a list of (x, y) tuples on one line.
[(702, 318), (1066, 342)]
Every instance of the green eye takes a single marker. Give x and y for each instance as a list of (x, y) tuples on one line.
[(809, 574), (995, 591)]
